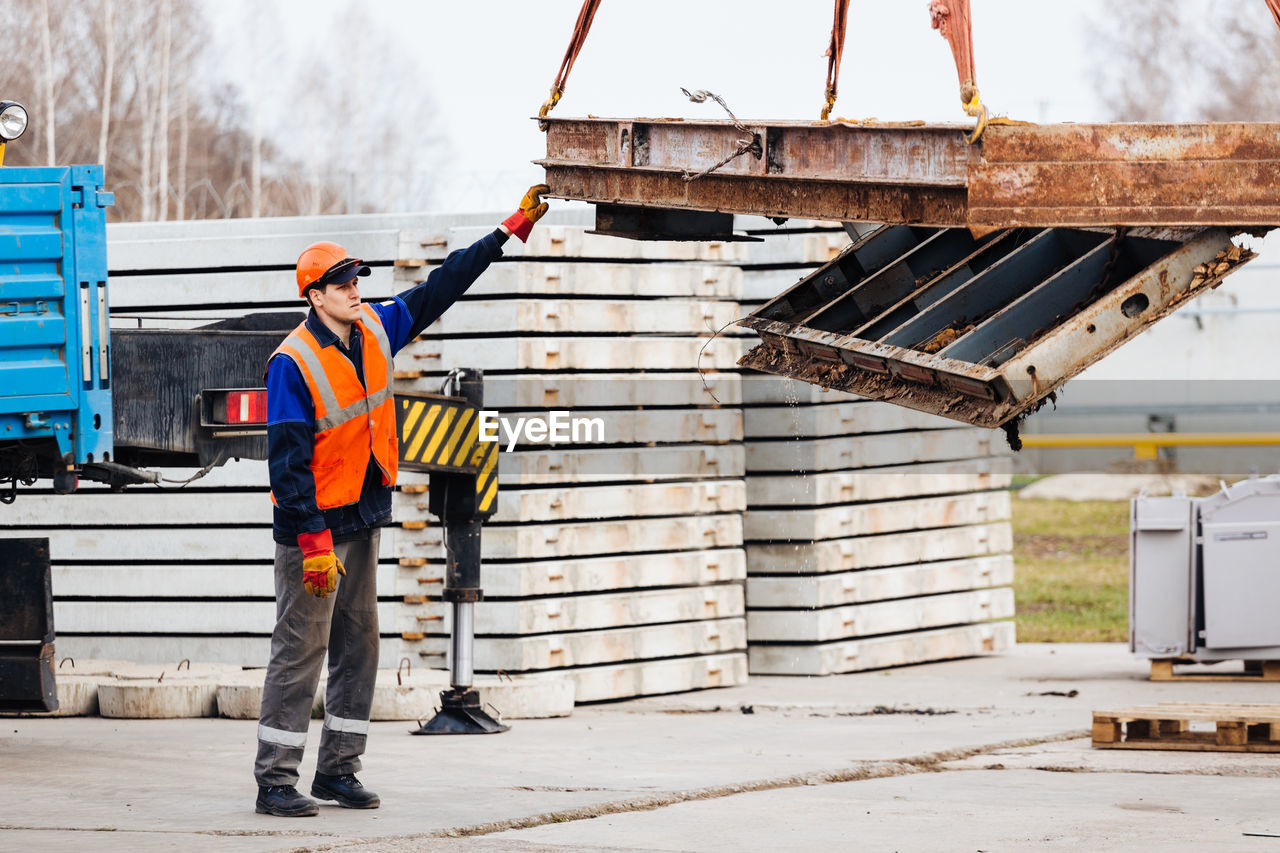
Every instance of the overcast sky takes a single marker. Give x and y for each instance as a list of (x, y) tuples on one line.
[(489, 65)]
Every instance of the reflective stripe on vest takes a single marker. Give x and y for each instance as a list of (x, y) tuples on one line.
[(353, 421)]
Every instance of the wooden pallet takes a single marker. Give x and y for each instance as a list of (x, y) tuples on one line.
[(1262, 670), (1190, 726)]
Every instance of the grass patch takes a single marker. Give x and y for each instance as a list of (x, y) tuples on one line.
[(1023, 480), (1072, 578)]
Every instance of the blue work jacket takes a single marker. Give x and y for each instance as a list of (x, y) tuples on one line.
[(291, 413)]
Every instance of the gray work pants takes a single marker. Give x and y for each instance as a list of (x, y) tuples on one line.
[(347, 624)]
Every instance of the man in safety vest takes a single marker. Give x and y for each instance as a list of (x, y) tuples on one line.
[(332, 450)]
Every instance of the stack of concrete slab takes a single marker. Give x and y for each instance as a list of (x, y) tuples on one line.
[(615, 556), (157, 575), (876, 536)]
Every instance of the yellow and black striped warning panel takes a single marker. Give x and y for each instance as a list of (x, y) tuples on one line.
[(442, 435), (439, 433), (485, 458)]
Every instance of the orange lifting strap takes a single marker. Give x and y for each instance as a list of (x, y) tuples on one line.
[(580, 29), (1275, 10), (951, 18), (834, 52)]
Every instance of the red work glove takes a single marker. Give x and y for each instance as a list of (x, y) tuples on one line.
[(320, 566), (531, 209)]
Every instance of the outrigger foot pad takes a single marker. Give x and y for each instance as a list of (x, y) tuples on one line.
[(460, 714)]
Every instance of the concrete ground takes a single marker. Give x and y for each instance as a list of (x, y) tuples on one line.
[(971, 755)]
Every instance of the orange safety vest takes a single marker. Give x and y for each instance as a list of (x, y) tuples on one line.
[(352, 421)]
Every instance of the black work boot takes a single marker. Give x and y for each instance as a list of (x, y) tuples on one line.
[(346, 789), (284, 801)]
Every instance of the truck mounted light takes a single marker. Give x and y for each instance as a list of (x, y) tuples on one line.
[(238, 407), (13, 120), (233, 412), (247, 407)]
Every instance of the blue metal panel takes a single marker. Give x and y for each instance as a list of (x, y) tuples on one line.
[(39, 405), (54, 343), (27, 379), (30, 197), (25, 244), (29, 287), (25, 325)]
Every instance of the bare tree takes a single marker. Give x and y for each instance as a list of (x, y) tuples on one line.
[(119, 84), (1136, 73), (147, 137), (1202, 60), (45, 79), (1244, 74), (50, 97), (162, 121), (389, 149), (184, 141), (255, 171), (108, 73)]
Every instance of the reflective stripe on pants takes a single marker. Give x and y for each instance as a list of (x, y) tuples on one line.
[(337, 724)]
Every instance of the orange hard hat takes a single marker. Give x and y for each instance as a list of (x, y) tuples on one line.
[(326, 263)]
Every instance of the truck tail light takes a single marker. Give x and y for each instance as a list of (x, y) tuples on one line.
[(247, 407), (234, 411)]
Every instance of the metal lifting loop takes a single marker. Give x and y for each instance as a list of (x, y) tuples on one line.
[(951, 19), (580, 29), (834, 52)]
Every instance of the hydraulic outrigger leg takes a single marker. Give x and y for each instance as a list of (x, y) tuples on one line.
[(462, 497), (460, 712)]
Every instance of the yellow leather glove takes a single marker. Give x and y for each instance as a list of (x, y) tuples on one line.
[(320, 574), (320, 566), (532, 207)]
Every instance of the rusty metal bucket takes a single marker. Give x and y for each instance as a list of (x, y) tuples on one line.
[(981, 329)]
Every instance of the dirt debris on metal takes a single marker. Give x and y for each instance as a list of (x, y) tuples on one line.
[(945, 337), (840, 377), (1221, 264)]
